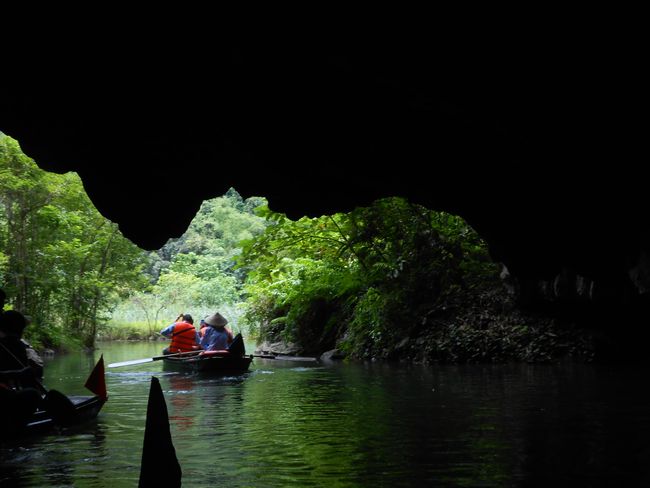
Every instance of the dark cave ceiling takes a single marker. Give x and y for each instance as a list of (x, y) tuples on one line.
[(535, 146)]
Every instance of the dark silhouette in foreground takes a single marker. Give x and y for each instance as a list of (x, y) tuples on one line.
[(159, 467)]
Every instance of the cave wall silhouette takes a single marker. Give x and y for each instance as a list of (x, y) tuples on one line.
[(536, 145)]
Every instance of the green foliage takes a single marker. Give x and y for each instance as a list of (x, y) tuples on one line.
[(4, 266), (68, 267), (214, 283), (383, 281), (195, 273), (61, 262), (218, 228), (376, 272), (126, 331), (393, 280), (368, 324)]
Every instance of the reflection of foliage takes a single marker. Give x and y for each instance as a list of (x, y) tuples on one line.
[(369, 425), (61, 262), (372, 274)]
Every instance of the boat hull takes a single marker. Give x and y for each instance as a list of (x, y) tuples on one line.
[(86, 408), (215, 364)]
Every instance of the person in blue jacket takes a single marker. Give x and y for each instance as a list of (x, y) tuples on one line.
[(217, 336)]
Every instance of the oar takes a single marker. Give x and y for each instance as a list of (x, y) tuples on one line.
[(154, 358), (286, 358)]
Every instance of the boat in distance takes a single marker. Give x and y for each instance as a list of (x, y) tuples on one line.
[(209, 361)]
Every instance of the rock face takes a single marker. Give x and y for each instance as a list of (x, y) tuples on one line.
[(333, 355), (536, 150), (278, 349)]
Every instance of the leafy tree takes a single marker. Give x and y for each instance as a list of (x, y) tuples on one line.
[(24, 190), (65, 265), (368, 276), (196, 271), (151, 305)]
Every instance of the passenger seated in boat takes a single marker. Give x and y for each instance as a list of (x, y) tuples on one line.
[(21, 392), (15, 353), (16, 406), (217, 336), (17, 322), (19, 398), (184, 336)]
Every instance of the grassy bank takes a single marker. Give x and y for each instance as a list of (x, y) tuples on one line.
[(129, 331)]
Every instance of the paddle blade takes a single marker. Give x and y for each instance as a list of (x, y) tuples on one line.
[(129, 363), (96, 381), (159, 467)]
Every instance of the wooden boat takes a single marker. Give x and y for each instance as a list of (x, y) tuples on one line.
[(80, 409), (209, 361), (226, 361), (85, 408)]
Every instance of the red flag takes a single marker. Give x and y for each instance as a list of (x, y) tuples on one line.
[(96, 381)]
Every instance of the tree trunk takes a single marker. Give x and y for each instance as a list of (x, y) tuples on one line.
[(92, 333)]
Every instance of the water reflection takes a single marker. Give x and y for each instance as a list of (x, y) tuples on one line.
[(181, 398), (357, 425), (60, 459)]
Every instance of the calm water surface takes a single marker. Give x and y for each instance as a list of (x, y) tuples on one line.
[(297, 424)]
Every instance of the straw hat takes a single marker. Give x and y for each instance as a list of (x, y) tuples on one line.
[(216, 320)]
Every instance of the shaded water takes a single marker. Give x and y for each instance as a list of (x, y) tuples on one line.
[(296, 424)]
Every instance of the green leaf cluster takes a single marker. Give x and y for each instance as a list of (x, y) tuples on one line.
[(360, 280), (196, 273), (61, 262)]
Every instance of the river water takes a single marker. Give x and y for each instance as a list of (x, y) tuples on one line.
[(352, 425)]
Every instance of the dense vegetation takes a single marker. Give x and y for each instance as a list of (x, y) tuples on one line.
[(195, 273), (61, 262), (391, 280)]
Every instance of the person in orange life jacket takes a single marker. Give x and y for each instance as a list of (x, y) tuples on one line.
[(19, 397), (184, 336), (217, 336)]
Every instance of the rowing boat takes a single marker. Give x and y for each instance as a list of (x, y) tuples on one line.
[(85, 408), (231, 360), (209, 361), (79, 410)]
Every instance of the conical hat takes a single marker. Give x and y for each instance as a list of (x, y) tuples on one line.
[(216, 320)]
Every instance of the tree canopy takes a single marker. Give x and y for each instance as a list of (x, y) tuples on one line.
[(373, 282), (61, 262), (362, 280)]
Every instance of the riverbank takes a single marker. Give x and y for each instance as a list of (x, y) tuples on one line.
[(486, 325), (479, 325), (130, 331), (482, 324)]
